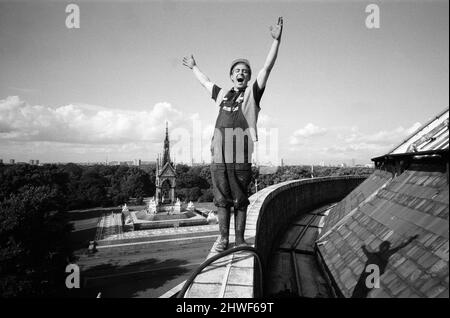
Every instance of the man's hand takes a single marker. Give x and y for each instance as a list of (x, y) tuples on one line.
[(276, 30), (202, 78), (263, 74), (189, 61)]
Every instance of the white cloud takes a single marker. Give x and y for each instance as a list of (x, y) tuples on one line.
[(346, 143), (352, 142), (82, 124), (80, 132), (380, 138), (352, 149), (413, 128), (301, 135)]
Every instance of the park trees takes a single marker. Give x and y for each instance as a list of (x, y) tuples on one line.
[(33, 243)]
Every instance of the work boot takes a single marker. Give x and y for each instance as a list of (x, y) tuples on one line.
[(240, 217), (223, 215)]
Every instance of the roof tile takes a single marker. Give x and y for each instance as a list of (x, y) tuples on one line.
[(379, 293), (427, 260), (388, 277), (431, 283), (396, 286), (435, 291), (406, 268), (413, 203), (440, 268), (408, 293), (442, 251)]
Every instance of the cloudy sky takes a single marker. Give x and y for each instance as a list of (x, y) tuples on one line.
[(339, 91)]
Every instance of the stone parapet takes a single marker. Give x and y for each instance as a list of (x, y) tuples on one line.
[(270, 212)]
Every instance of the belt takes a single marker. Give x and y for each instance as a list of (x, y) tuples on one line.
[(230, 109)]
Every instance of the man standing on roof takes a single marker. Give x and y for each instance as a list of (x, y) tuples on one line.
[(234, 135)]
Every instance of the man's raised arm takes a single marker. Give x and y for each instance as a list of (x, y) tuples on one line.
[(202, 78), (275, 31)]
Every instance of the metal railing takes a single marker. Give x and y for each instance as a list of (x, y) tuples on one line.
[(214, 258)]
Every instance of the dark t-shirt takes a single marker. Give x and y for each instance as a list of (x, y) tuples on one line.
[(231, 116), (257, 92)]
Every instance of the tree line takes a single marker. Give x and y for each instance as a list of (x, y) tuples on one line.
[(34, 230), (79, 187)]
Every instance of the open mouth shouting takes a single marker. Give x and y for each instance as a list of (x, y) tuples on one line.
[(240, 81)]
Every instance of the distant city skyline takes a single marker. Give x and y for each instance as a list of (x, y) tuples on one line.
[(351, 163), (338, 92)]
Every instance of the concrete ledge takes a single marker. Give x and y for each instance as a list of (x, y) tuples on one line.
[(279, 204), (270, 211)]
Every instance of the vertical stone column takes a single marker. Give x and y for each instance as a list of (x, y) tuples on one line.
[(172, 195), (158, 196)]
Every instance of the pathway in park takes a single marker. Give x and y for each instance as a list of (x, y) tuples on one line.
[(144, 269)]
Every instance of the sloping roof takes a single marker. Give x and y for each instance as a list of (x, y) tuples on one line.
[(393, 207), (414, 203), (362, 193), (431, 136)]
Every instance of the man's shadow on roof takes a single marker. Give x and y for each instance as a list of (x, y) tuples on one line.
[(380, 259)]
